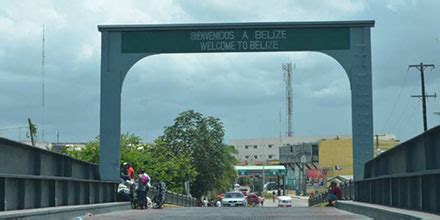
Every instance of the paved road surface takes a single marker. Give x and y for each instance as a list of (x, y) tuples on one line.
[(299, 211), (232, 213)]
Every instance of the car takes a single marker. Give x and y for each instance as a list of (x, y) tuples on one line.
[(284, 201), (270, 186), (233, 199)]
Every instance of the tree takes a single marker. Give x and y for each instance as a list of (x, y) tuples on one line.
[(201, 139), (157, 160)]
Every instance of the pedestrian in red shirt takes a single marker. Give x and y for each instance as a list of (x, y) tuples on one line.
[(334, 193), (130, 172)]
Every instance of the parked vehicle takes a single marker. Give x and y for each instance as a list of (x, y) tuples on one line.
[(270, 186), (123, 192), (233, 199), (284, 201), (159, 196)]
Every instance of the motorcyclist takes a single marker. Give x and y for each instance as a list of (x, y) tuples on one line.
[(124, 172)]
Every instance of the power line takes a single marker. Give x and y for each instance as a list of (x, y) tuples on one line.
[(404, 110), (413, 128), (397, 100)]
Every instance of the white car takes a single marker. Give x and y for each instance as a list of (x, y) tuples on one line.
[(284, 201), (233, 199)]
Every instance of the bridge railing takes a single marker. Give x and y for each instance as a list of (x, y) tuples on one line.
[(31, 177), (406, 176), (347, 193), (181, 200), (175, 198)]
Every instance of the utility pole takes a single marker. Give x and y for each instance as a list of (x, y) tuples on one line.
[(421, 67), (43, 87), (377, 143)]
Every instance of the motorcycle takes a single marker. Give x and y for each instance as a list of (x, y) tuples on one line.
[(159, 196)]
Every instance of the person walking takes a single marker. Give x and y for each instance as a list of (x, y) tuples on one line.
[(205, 202), (273, 196)]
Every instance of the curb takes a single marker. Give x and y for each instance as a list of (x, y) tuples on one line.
[(382, 212)]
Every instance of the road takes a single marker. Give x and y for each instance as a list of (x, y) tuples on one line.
[(299, 211)]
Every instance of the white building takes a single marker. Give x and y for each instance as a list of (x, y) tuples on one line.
[(261, 150)]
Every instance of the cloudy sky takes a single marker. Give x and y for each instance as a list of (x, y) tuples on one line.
[(245, 90)]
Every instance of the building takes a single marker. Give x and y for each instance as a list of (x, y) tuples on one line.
[(253, 176), (336, 155), (256, 151), (57, 147), (325, 157)]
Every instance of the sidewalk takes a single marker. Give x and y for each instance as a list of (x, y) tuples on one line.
[(383, 212)]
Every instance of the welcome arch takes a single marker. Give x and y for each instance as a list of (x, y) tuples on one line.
[(123, 45)]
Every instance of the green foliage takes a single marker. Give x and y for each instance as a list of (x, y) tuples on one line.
[(90, 153), (157, 160), (267, 195), (201, 138), (192, 149)]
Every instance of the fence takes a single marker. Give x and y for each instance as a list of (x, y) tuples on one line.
[(406, 176), (347, 193), (31, 177), (181, 200)]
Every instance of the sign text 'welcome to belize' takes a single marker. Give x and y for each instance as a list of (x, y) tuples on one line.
[(247, 40)]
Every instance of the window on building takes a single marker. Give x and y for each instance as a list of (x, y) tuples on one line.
[(246, 147), (271, 156), (255, 156), (255, 146), (315, 151), (270, 145), (247, 156)]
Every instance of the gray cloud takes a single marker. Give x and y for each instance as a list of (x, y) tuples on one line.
[(245, 90)]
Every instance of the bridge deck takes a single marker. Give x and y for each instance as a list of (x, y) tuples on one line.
[(233, 213)]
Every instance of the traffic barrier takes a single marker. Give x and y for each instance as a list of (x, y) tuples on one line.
[(405, 176)]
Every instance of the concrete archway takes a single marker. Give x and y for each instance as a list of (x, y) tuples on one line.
[(123, 45)]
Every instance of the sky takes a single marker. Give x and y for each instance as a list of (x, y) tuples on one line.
[(245, 90)]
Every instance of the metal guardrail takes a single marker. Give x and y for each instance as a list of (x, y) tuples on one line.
[(23, 159), (347, 193), (175, 198), (19, 192), (407, 176), (181, 200), (418, 191), (31, 177)]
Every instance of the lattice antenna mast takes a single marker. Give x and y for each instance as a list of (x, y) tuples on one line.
[(43, 92), (287, 68)]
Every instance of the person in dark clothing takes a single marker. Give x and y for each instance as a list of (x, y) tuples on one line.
[(141, 190), (124, 172), (334, 193)]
